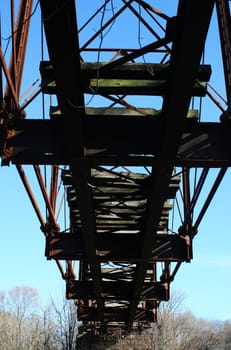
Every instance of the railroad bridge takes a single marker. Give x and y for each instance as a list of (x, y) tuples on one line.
[(124, 83)]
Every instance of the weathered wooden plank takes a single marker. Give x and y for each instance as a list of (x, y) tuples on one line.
[(125, 71), (117, 197), (108, 187), (135, 87), (137, 84), (122, 212), (117, 200), (104, 177), (55, 111), (117, 274), (136, 71)]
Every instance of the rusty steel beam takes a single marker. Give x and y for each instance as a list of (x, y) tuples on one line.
[(10, 83), (118, 247), (188, 45), (19, 42), (94, 15), (105, 25), (136, 53), (187, 226), (49, 206), (150, 8), (209, 198), (22, 27), (80, 174), (224, 22), (30, 194), (201, 145), (13, 44), (116, 160), (146, 24), (61, 270), (80, 140), (63, 47), (37, 210), (188, 210), (1, 69), (13, 78), (54, 187)]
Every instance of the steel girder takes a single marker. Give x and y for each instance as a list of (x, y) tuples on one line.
[(86, 138)]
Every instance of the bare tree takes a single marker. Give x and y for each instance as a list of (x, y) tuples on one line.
[(181, 330), (25, 325), (22, 303), (67, 325), (5, 323), (46, 334)]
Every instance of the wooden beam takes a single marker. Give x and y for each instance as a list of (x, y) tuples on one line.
[(143, 71), (135, 87), (129, 79)]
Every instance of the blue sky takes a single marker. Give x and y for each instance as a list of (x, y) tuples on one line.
[(206, 281)]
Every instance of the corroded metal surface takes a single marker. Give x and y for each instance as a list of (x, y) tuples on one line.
[(121, 160)]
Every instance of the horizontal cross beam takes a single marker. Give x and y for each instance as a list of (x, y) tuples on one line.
[(128, 79), (137, 71), (119, 247), (41, 141)]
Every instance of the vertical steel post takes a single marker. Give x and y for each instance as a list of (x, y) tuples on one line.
[(224, 23)]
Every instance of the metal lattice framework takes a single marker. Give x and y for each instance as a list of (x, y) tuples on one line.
[(123, 137)]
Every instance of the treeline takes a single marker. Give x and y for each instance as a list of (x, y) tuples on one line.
[(175, 330), (27, 325)]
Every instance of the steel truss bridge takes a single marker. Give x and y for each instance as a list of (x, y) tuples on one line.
[(124, 83)]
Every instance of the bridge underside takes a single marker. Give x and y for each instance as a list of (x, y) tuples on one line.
[(119, 219)]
